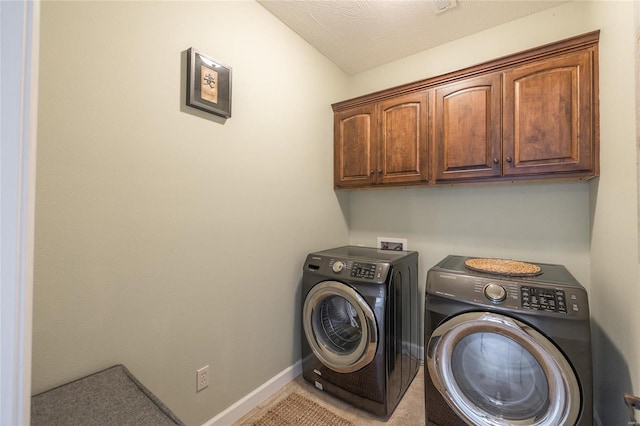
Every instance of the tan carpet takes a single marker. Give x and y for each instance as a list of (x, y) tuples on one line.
[(296, 410)]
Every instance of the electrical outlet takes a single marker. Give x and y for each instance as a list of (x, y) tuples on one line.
[(393, 244), (202, 378)]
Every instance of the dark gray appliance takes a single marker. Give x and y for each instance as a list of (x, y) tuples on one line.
[(360, 325), (505, 350)]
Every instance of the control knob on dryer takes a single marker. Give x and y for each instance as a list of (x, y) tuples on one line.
[(338, 267), (495, 292)]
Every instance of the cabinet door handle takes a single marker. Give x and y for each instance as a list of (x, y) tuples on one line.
[(379, 171), (495, 160), (509, 159), (371, 172)]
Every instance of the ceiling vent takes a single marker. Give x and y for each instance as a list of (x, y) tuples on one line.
[(443, 5)]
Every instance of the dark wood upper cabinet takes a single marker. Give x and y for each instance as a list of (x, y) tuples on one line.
[(382, 143), (548, 116), (467, 129), (402, 151), (531, 115), (355, 147)]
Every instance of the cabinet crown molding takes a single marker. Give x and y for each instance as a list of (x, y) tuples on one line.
[(575, 43)]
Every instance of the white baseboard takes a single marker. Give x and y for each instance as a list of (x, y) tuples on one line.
[(257, 397)]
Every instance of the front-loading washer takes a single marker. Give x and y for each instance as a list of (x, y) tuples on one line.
[(360, 325), (506, 348)]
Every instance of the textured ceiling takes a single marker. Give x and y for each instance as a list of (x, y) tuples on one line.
[(362, 34)]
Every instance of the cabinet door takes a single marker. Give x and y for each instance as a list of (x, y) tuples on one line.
[(548, 116), (355, 156), (402, 150), (467, 129)]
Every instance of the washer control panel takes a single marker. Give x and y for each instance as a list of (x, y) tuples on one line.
[(363, 270), (338, 266), (344, 268)]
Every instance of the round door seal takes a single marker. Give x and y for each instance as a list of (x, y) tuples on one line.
[(564, 392), (365, 350)]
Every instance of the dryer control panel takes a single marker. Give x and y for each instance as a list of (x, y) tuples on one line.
[(543, 299), (510, 294)]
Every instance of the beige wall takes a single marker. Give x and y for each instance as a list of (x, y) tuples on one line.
[(614, 221), (589, 227), (166, 240)]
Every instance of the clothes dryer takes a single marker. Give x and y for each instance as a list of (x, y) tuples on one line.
[(360, 325), (506, 349)]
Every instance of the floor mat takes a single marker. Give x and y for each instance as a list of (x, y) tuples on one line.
[(296, 410), (110, 397)]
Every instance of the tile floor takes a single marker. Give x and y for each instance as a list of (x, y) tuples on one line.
[(410, 410)]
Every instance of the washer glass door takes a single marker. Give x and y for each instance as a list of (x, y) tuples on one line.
[(339, 326), (495, 370)]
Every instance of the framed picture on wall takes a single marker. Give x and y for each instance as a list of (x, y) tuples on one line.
[(208, 84)]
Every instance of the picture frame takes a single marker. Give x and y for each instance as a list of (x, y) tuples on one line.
[(208, 84)]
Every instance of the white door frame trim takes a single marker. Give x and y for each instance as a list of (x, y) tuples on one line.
[(19, 37)]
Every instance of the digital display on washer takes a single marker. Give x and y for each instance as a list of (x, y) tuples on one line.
[(543, 299), (363, 270)]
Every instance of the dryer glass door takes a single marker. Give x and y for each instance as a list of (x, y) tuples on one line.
[(494, 370), (339, 326)]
